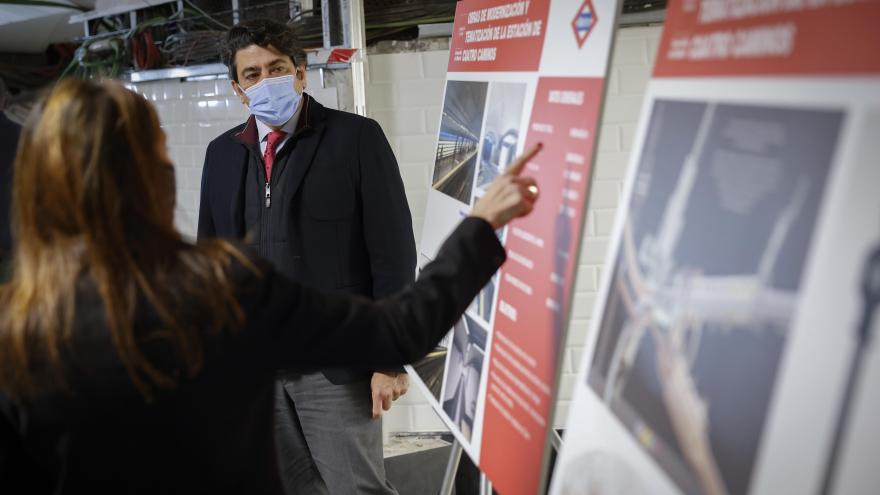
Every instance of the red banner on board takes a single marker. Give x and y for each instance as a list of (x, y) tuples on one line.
[(498, 36), (797, 37)]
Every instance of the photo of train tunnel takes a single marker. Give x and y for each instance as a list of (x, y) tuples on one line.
[(501, 133), (458, 144), (706, 282), (430, 367), (464, 368)]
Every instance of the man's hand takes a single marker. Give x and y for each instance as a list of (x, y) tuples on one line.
[(386, 388)]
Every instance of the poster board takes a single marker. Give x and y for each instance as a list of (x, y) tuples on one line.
[(730, 351), (520, 72)]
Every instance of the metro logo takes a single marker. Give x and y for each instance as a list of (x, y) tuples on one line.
[(584, 22)]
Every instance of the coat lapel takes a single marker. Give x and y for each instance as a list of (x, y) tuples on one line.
[(308, 137), (249, 138)]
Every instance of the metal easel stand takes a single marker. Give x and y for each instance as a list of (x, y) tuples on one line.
[(870, 305), (555, 440), (556, 443), (451, 469), (485, 484)]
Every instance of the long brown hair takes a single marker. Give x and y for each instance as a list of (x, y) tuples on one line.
[(93, 199)]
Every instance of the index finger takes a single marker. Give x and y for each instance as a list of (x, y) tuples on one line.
[(519, 164)]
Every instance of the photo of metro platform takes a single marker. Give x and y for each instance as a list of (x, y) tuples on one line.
[(455, 161)]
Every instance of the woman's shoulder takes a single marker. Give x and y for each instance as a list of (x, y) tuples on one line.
[(236, 257)]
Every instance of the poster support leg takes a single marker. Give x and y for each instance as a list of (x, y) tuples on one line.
[(871, 296), (840, 429), (451, 469), (485, 485), (555, 440), (556, 443)]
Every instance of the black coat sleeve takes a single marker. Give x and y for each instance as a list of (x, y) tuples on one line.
[(9, 133), (387, 221), (206, 221), (10, 444), (19, 472), (302, 328)]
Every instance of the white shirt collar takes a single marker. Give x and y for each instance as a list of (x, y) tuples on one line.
[(289, 127)]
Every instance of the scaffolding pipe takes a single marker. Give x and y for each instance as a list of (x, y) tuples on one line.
[(359, 61)]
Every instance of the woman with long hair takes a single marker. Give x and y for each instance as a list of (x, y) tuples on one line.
[(132, 360)]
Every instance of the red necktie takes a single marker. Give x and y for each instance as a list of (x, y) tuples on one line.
[(272, 141)]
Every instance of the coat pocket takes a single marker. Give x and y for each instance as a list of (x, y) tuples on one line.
[(329, 196)]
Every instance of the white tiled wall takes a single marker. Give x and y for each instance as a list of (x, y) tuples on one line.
[(192, 114), (404, 94)]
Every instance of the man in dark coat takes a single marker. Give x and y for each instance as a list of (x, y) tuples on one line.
[(318, 193)]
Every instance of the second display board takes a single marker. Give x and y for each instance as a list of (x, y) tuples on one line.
[(730, 350)]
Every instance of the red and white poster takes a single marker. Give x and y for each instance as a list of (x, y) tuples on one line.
[(520, 72), (732, 348)]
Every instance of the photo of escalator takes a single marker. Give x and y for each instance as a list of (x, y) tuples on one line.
[(455, 160), (483, 305), (501, 133), (464, 368)]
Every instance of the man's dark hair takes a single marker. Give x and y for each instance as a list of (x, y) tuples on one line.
[(261, 32)]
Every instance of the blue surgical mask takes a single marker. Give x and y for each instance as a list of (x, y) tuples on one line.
[(273, 100)]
